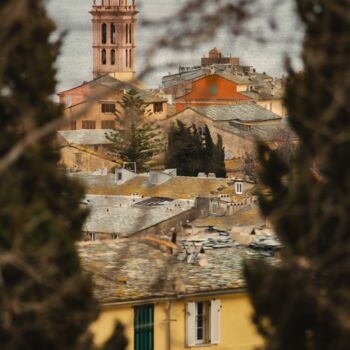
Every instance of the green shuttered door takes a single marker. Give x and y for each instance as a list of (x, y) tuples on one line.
[(143, 325)]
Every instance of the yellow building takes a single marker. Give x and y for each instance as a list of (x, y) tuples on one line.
[(171, 297)]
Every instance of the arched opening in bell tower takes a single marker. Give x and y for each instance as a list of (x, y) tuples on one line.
[(104, 33), (113, 34)]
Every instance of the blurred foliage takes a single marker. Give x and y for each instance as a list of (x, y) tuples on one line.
[(304, 303), (46, 301)]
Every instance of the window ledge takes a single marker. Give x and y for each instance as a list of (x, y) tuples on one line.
[(204, 345)]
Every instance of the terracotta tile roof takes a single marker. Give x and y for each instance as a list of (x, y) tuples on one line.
[(127, 270)]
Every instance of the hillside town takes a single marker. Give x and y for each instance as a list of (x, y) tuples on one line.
[(161, 199), (165, 247)]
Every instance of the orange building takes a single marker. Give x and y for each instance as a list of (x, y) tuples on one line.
[(211, 90)]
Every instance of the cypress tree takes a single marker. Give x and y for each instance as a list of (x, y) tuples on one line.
[(219, 167), (304, 301), (46, 301), (208, 158)]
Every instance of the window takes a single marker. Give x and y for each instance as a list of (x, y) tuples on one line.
[(92, 236), (113, 34), (120, 176), (104, 57), (239, 187), (89, 124), (69, 100), (130, 58), (130, 33), (107, 124), (73, 125), (203, 322), (213, 89), (158, 107), (104, 33), (108, 107), (126, 58), (144, 327), (202, 326), (112, 57)]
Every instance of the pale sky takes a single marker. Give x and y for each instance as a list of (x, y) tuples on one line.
[(75, 61)]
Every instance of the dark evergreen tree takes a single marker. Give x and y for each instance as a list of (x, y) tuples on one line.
[(219, 167), (135, 140), (46, 301), (208, 152), (304, 302), (192, 153), (184, 150)]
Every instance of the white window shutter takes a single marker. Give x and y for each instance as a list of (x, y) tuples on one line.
[(191, 324), (215, 325)]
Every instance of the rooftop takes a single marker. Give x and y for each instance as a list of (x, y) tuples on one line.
[(130, 270), (115, 84), (248, 216), (179, 187), (128, 215), (245, 112), (267, 132), (86, 137)]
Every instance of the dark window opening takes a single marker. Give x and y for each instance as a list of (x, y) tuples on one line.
[(104, 57), (112, 57), (130, 33), (108, 107), (113, 34), (158, 107), (73, 125), (104, 33), (107, 124), (89, 124)]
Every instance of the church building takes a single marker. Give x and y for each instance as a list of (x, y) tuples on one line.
[(114, 44)]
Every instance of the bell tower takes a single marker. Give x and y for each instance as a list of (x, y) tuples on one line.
[(113, 31)]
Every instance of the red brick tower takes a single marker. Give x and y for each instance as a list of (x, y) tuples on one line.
[(114, 46)]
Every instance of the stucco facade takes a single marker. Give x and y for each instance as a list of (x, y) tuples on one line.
[(211, 90), (78, 158), (235, 146), (94, 102), (236, 330)]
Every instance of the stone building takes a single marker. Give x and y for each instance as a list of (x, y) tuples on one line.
[(114, 44), (215, 57), (86, 151), (239, 125)]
